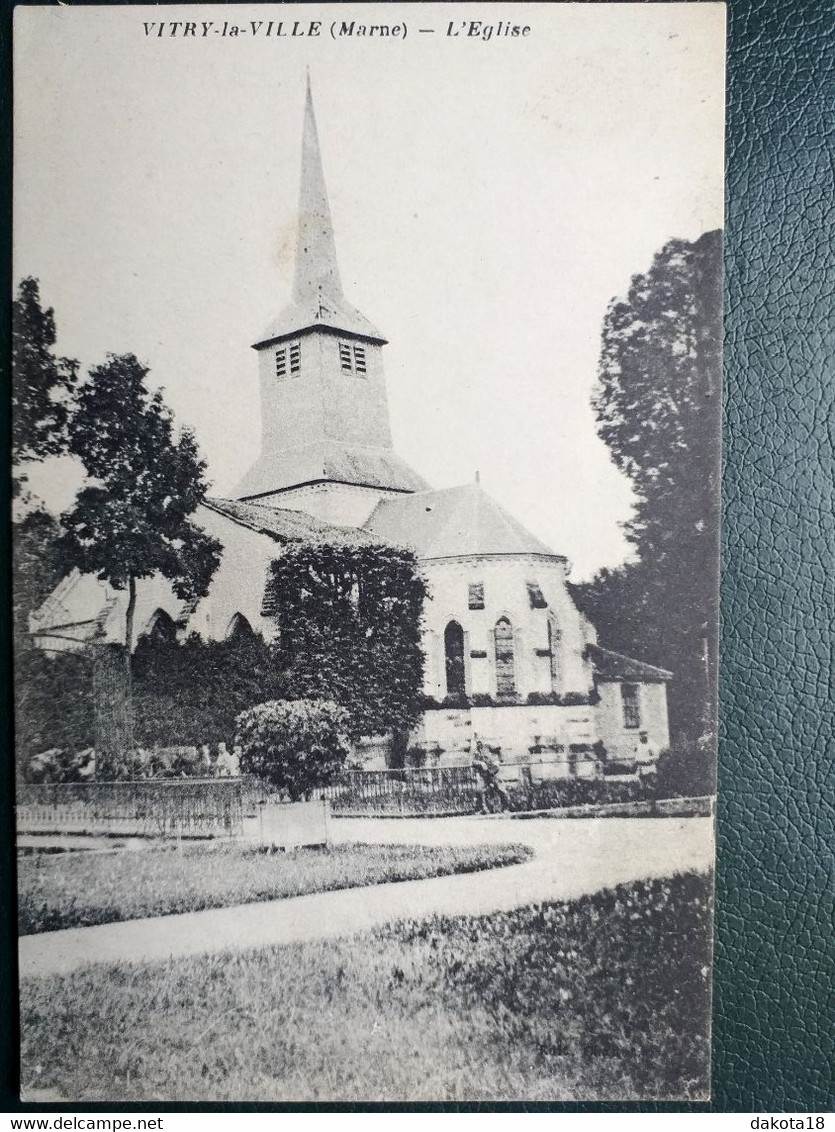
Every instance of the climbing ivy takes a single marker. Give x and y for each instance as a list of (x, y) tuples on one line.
[(349, 630)]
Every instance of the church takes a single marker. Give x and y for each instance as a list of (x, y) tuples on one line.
[(510, 661)]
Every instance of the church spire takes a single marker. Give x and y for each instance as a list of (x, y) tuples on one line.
[(317, 299), (317, 272)]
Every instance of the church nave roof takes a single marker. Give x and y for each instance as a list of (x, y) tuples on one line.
[(454, 522)]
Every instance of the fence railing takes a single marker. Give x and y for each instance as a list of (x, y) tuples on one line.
[(411, 791), (148, 808)]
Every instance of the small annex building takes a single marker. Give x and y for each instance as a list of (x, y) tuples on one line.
[(509, 658)]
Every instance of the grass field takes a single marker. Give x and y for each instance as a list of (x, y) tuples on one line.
[(64, 890), (603, 997)]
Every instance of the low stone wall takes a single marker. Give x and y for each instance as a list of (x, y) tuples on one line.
[(655, 807), (519, 733)]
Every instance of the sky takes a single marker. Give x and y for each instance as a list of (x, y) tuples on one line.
[(489, 197)]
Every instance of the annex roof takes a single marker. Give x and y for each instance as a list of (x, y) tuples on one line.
[(609, 665), (284, 525), (454, 522)]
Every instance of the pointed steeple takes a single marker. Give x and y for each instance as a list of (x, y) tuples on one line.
[(318, 299), (326, 442), (317, 271)]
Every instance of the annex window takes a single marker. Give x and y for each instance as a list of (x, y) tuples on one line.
[(505, 658), (630, 696), (475, 595), (288, 359), (454, 659)]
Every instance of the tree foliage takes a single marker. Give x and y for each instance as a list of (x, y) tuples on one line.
[(37, 567), (42, 383), (192, 693), (349, 621), (657, 404), (53, 704), (295, 745), (132, 519)]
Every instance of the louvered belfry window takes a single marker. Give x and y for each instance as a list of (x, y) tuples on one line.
[(295, 357), (352, 358), (288, 359), (505, 658)]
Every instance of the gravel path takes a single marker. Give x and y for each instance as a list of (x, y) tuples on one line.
[(571, 857)]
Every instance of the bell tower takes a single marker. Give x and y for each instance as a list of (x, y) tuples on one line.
[(326, 443)]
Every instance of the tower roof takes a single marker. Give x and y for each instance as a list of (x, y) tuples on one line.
[(455, 522), (329, 462), (317, 299)]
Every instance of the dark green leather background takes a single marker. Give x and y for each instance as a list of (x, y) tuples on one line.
[(774, 970), (772, 1037)]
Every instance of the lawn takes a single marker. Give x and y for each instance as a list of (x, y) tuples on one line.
[(602, 997), (62, 890)]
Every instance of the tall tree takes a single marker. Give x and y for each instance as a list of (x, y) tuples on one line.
[(132, 519), (42, 383), (658, 409)]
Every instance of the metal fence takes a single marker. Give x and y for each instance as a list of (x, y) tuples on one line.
[(153, 808), (408, 792)]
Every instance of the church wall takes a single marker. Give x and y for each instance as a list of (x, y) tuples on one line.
[(505, 594), (447, 736), (239, 581), (88, 598), (622, 743)]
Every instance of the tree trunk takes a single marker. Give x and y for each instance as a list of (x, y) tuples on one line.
[(131, 610), (129, 619)]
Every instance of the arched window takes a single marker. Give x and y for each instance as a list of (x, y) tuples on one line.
[(239, 629), (454, 657), (505, 658), (161, 629), (555, 653)]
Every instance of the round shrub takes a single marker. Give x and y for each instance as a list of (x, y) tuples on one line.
[(295, 745)]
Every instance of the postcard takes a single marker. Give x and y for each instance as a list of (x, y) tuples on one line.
[(366, 442)]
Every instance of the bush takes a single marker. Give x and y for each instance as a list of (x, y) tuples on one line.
[(572, 792), (295, 745), (569, 699), (686, 770)]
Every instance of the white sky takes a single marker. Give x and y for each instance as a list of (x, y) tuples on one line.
[(489, 198)]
